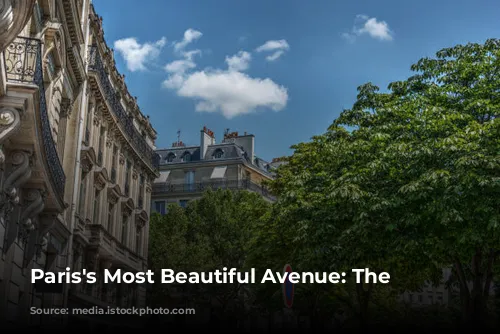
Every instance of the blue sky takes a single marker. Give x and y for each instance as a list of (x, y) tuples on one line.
[(282, 70)]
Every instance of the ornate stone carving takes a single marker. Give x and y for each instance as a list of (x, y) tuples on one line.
[(10, 120), (109, 138), (18, 172), (113, 197), (34, 205), (99, 182), (66, 107), (121, 159), (14, 15), (106, 264), (92, 259)]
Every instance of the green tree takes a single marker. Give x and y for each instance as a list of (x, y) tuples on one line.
[(213, 232), (407, 181)]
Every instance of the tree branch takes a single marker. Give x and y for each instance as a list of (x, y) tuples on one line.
[(461, 277), (489, 272)]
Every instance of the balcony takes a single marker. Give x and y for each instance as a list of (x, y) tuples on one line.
[(126, 124), (23, 65), (111, 248), (199, 187)]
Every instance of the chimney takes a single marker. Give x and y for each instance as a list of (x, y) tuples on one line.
[(247, 142), (207, 139)]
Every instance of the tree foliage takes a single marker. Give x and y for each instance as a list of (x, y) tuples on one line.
[(407, 181)]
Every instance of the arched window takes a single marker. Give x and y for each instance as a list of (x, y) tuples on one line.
[(218, 154), (170, 157), (186, 157)]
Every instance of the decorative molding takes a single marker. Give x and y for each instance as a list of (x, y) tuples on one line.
[(34, 205), (66, 107), (121, 159), (14, 14), (113, 196), (92, 259), (10, 122)]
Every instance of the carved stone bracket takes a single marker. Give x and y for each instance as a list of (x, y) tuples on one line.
[(92, 260), (34, 199), (10, 121), (122, 159), (45, 224), (66, 107), (109, 139), (18, 171)]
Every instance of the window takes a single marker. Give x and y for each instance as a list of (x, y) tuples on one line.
[(218, 154), (140, 198), (138, 240), (183, 203), (186, 157), (124, 230), (420, 298), (96, 207), (189, 181), (127, 177), (113, 163), (160, 207), (170, 157), (111, 217), (410, 297), (83, 190), (101, 147)]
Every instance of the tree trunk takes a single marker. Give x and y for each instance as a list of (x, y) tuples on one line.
[(363, 301), (474, 301)]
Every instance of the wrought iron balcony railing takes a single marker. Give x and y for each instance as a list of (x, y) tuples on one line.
[(23, 65), (195, 187), (126, 123)]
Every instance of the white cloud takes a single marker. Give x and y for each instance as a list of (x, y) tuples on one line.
[(371, 26), (275, 55), (190, 36), (278, 47), (239, 62), (232, 93), (180, 66), (273, 45), (136, 55)]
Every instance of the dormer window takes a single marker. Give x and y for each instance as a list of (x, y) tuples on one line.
[(170, 157), (186, 157), (218, 154)]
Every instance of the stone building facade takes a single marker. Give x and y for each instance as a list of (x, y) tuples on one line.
[(186, 171), (77, 160)]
